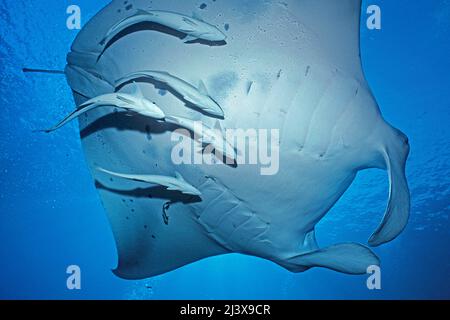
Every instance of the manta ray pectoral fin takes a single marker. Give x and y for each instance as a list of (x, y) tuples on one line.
[(397, 212), (351, 258)]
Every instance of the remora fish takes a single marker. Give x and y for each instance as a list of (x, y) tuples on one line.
[(131, 102), (197, 96), (194, 28), (208, 135), (176, 183)]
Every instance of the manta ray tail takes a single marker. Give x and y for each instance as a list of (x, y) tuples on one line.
[(350, 258), (28, 70), (397, 212)]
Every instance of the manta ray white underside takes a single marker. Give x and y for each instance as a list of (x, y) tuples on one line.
[(292, 66)]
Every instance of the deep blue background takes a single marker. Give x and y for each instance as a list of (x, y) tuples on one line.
[(51, 216)]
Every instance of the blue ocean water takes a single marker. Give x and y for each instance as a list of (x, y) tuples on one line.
[(51, 215)]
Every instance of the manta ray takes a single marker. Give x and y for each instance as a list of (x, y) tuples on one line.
[(294, 67)]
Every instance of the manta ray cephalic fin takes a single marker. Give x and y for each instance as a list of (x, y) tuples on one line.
[(398, 208)]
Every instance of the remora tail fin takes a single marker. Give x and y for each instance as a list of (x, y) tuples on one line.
[(73, 115)]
